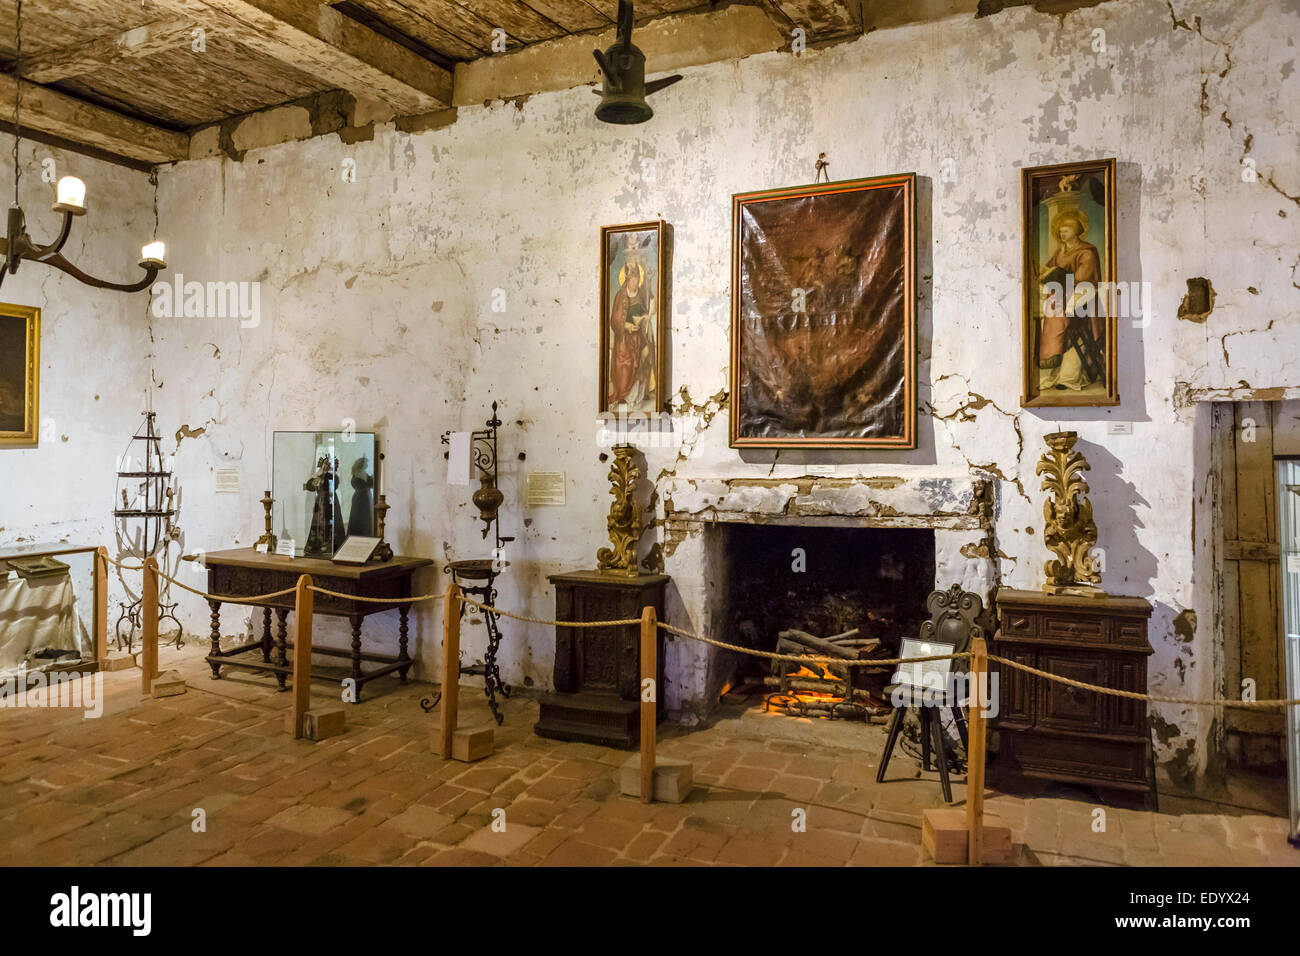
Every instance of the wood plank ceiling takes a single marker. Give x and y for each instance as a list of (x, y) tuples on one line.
[(124, 77)]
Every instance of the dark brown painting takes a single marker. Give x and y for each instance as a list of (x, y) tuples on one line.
[(20, 366), (823, 326)]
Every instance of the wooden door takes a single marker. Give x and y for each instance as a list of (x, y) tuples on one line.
[(1251, 588)]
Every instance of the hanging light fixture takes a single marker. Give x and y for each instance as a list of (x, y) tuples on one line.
[(70, 199), (623, 99)]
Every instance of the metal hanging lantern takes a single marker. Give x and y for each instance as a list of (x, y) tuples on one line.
[(623, 100)]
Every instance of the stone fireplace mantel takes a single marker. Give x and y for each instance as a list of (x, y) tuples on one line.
[(958, 509), (944, 504)]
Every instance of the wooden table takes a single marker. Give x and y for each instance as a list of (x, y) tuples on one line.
[(244, 572)]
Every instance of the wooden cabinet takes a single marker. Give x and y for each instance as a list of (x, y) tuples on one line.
[(597, 672), (1053, 731)]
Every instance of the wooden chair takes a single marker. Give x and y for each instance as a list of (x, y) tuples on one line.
[(949, 630)]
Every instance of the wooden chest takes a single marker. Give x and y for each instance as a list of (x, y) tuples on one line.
[(1052, 731)]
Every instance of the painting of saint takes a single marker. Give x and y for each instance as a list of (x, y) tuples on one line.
[(1069, 300), (20, 336), (632, 318)]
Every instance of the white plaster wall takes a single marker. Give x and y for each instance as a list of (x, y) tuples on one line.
[(376, 294), (94, 354)]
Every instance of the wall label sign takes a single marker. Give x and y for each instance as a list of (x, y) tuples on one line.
[(546, 488), (227, 481)]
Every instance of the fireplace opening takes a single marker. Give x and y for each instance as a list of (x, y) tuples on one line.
[(829, 591)]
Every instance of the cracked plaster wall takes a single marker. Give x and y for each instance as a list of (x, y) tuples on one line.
[(376, 294)]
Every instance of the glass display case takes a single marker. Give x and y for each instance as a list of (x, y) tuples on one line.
[(49, 613), (324, 488)]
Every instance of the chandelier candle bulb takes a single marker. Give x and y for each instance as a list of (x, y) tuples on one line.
[(70, 196), (153, 254)]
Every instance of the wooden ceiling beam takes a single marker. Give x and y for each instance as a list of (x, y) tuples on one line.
[(317, 40), (89, 57), (57, 114)]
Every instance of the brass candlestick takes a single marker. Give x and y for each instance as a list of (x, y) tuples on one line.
[(1070, 533), (624, 522), (267, 539), (382, 551)]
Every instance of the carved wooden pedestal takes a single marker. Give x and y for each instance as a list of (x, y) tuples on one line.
[(598, 669)]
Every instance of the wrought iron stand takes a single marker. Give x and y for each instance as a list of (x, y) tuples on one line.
[(488, 500)]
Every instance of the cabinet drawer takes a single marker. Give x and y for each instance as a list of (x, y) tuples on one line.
[(1068, 628), (1019, 623)]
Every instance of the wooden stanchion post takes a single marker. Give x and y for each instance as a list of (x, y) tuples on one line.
[(649, 700), (101, 604), (979, 699), (302, 614), (450, 667), (149, 618)]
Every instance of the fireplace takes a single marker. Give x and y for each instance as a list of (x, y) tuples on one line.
[(862, 588), (871, 549)]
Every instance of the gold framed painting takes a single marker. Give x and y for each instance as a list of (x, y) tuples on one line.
[(20, 374), (823, 316), (633, 318), (1070, 300)]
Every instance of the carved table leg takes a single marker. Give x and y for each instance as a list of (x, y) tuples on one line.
[(356, 655), (403, 611), (266, 635), (216, 638), (281, 643)]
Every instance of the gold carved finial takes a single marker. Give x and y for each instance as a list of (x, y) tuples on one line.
[(624, 521), (1070, 533)]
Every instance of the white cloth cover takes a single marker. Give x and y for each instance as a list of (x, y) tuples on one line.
[(36, 614)]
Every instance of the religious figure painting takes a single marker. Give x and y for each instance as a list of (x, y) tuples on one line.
[(823, 316), (633, 318), (20, 370), (1070, 285)]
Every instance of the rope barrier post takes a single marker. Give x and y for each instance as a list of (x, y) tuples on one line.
[(649, 701), (149, 642), (976, 707), (302, 614), (450, 667), (101, 604)]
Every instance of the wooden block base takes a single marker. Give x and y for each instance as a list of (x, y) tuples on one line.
[(320, 724), (673, 779), (167, 684), (467, 745), (117, 661), (944, 836)]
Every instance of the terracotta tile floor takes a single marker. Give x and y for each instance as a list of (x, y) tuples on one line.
[(126, 789)]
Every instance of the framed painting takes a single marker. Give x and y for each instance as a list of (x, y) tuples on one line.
[(20, 374), (823, 316), (633, 318), (1069, 285)]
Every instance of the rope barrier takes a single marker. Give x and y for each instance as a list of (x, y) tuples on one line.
[(124, 567), (377, 600), (736, 648), (802, 658), (1154, 698)]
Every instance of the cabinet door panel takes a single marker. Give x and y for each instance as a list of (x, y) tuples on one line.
[(1071, 708), (1128, 716)]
